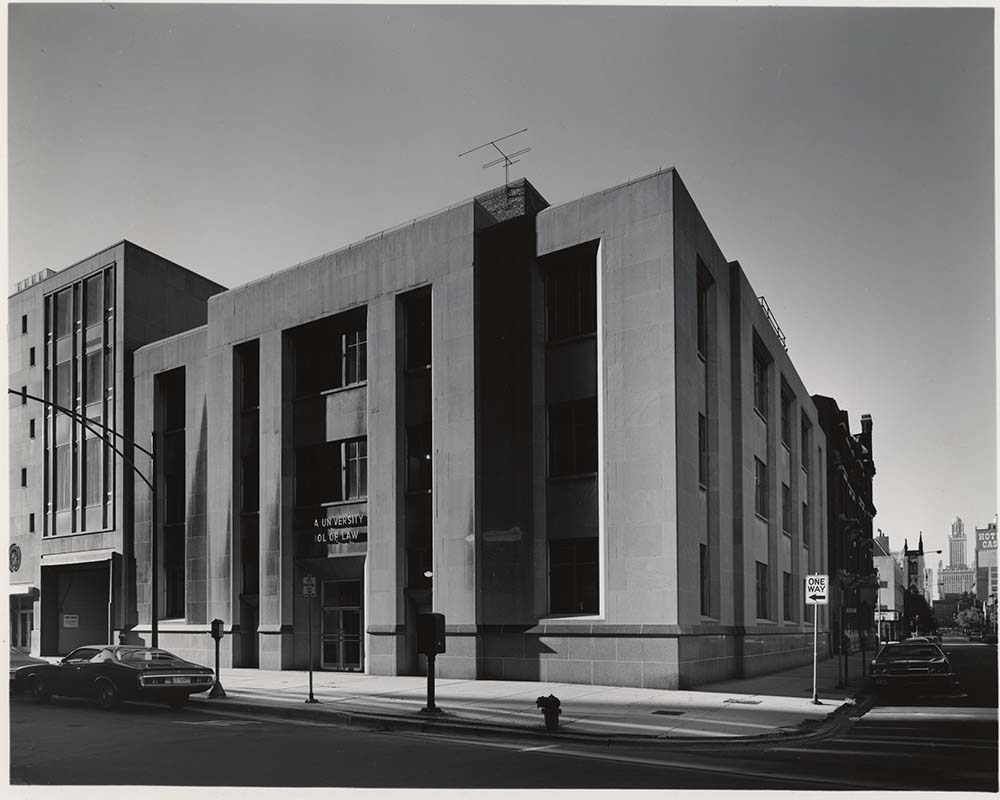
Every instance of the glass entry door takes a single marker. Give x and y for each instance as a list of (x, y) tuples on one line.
[(342, 641)]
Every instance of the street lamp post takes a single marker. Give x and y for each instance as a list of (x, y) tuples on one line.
[(107, 435)]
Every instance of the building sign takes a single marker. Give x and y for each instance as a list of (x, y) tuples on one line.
[(817, 590), (887, 616), (71, 621), (332, 531), (986, 540)]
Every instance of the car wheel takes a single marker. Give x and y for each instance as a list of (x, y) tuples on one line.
[(39, 691), (107, 695)]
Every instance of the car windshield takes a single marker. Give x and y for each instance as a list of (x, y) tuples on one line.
[(146, 655), (900, 653)]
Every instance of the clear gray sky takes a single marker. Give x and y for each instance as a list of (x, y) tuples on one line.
[(844, 156)]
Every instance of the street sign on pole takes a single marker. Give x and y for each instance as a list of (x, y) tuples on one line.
[(816, 595), (309, 586), (817, 590), (309, 591)]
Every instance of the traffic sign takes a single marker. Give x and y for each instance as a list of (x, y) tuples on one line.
[(816, 590), (309, 586)]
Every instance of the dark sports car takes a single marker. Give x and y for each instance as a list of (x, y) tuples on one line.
[(112, 673), (915, 665)]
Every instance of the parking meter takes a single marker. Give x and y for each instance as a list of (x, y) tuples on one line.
[(217, 634), (430, 642), (430, 634)]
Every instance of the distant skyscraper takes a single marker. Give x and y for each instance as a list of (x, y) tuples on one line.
[(956, 544)]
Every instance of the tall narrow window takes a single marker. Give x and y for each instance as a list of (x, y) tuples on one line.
[(418, 458), (804, 444), (705, 584), (24, 324), (704, 285), (24, 395), (786, 509), (760, 488), (356, 473), (759, 383), (31, 429), (355, 347), (31, 356), (805, 524), (786, 416), (573, 580), (762, 597), (786, 595), (24, 477), (172, 414), (31, 523), (573, 438), (571, 293), (702, 451)]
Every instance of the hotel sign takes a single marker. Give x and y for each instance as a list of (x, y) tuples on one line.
[(986, 540)]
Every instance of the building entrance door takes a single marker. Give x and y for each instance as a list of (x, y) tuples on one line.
[(342, 640), (21, 623)]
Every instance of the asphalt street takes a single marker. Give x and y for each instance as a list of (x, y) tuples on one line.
[(929, 744)]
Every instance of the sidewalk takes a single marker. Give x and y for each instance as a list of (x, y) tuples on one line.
[(764, 705)]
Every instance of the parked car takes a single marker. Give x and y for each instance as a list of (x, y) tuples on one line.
[(914, 665), (112, 673), (19, 659)]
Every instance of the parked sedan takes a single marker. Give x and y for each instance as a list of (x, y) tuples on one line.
[(114, 673), (914, 666), (19, 659)]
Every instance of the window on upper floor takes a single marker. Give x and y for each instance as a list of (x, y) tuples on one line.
[(705, 583), (760, 488), (573, 438), (704, 289), (760, 394), (805, 524), (702, 451), (786, 595), (571, 293), (786, 416), (24, 324), (786, 508)]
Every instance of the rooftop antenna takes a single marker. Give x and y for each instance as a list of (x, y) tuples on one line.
[(506, 159)]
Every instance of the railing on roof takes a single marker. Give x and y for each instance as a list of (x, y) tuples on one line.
[(773, 321)]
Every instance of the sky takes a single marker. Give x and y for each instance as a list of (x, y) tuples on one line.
[(845, 156)]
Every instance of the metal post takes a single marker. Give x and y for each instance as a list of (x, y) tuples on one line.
[(217, 690), (155, 562), (311, 699), (431, 708), (816, 701)]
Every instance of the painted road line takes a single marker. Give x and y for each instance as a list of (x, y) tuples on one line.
[(832, 751), (977, 744)]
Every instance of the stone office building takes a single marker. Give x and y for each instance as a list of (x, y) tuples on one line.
[(71, 339), (573, 430)]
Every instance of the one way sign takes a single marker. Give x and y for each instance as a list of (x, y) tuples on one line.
[(816, 590)]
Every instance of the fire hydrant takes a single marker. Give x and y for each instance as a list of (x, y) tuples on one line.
[(550, 710)]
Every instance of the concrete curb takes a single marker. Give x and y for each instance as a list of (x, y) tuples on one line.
[(445, 723)]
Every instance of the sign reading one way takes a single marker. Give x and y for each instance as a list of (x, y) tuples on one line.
[(816, 590)]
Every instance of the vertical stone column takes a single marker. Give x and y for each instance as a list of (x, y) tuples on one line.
[(220, 503), (276, 541), (454, 493), (385, 641)]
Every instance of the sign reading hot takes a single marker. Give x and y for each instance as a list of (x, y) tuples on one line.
[(986, 540)]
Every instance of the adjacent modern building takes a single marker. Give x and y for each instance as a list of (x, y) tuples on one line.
[(72, 336), (574, 430)]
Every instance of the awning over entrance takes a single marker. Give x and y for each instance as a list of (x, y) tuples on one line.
[(81, 557), (24, 590)]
